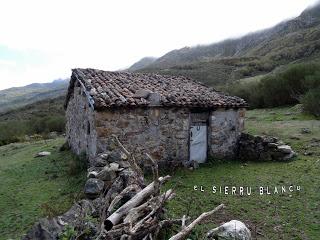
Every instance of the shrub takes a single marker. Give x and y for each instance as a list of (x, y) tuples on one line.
[(48, 124), (311, 101), (15, 131), (281, 89)]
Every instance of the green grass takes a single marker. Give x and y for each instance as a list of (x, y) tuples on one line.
[(283, 216), (32, 188)]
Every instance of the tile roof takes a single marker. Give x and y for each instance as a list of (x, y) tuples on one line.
[(123, 89)]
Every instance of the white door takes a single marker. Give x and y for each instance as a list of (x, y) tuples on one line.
[(198, 143)]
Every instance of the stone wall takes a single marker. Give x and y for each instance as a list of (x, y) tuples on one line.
[(80, 128), (263, 148), (225, 127), (164, 133)]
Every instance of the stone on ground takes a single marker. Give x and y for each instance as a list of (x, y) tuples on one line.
[(42, 154), (233, 230)]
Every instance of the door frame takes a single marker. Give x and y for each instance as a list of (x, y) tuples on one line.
[(206, 116)]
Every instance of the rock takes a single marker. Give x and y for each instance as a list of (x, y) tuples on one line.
[(104, 155), (285, 149), (272, 145), (263, 148), (123, 164), (114, 166), (233, 230), (107, 174), (92, 174), (99, 162), (93, 187), (289, 156), (116, 156), (95, 169), (42, 154), (305, 130), (46, 229)]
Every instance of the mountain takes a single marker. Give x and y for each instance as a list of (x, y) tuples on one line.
[(252, 55), (16, 97), (40, 109), (144, 62)]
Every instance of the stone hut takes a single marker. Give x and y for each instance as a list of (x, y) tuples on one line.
[(173, 118)]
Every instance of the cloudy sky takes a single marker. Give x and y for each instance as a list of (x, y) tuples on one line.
[(42, 40)]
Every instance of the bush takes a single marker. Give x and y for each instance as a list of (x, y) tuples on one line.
[(311, 101), (15, 131), (280, 89), (48, 124)]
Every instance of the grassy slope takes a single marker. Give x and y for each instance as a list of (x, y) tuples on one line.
[(16, 97), (44, 108), (27, 192), (287, 216), (34, 187)]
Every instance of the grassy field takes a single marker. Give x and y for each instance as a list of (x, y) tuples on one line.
[(291, 215), (35, 187)]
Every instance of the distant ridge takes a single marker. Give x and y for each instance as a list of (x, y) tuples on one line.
[(254, 54), (16, 97), (144, 62)]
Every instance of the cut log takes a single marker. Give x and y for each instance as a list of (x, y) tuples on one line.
[(118, 198), (135, 201)]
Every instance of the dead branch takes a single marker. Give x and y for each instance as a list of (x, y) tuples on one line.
[(186, 231), (130, 157), (133, 202), (169, 222), (154, 206)]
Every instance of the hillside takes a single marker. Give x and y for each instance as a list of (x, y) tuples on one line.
[(41, 117), (16, 97), (254, 54), (40, 109), (144, 62)]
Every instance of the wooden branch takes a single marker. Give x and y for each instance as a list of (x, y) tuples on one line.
[(154, 206), (169, 222), (135, 201), (130, 157), (117, 199), (186, 231)]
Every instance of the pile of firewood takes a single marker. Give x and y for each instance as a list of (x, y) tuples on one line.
[(135, 211)]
